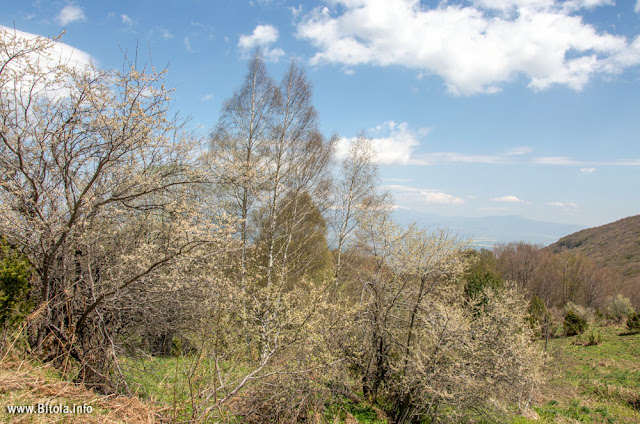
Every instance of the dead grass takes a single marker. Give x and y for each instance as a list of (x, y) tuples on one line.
[(25, 382)]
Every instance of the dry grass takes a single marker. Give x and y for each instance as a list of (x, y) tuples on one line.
[(24, 382)]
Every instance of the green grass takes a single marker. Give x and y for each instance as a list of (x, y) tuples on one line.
[(593, 384), (588, 384), (362, 412)]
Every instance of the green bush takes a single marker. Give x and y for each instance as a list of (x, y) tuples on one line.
[(619, 307), (591, 339), (15, 272), (539, 318), (633, 322), (574, 324)]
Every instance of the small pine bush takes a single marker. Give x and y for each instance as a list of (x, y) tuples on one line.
[(574, 324), (594, 338), (15, 272), (633, 322)]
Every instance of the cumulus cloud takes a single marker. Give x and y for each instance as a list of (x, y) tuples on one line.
[(507, 199), (262, 37), (637, 8), (69, 14), (59, 53), (392, 142), (475, 47)]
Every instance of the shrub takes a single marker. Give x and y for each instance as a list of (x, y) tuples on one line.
[(15, 272), (633, 322), (591, 339), (586, 313), (283, 398), (574, 324), (539, 318), (619, 307)]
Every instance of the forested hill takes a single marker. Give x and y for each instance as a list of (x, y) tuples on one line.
[(615, 246)]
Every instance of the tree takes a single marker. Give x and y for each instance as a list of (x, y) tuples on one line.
[(354, 192), (89, 158), (424, 345), (517, 261), (482, 274), (239, 143)]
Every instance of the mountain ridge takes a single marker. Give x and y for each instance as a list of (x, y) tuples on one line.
[(487, 231)]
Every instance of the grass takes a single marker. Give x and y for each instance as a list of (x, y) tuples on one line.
[(27, 382), (593, 384), (588, 384)]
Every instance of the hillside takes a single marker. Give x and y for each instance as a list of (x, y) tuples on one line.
[(615, 246)]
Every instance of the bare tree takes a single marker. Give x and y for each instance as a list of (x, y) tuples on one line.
[(517, 262), (353, 193), (239, 144)]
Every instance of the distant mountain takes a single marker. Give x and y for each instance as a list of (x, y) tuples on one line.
[(489, 230), (615, 246)]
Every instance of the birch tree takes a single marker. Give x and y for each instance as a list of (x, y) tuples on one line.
[(354, 192)]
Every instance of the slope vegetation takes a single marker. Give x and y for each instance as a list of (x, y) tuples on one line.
[(615, 246)]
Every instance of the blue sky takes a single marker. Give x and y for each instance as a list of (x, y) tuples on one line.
[(477, 108)]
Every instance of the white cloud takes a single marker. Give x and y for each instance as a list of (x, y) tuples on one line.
[(295, 11), (187, 44), (519, 151), (587, 170), (393, 146), (126, 19), (475, 48), (47, 61), (637, 8), (428, 159), (206, 97), (566, 205), (273, 55), (507, 199), (556, 160), (429, 196), (262, 37), (164, 33), (441, 198), (59, 52), (69, 14), (587, 165)]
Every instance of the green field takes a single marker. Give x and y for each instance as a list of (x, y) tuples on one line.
[(592, 384)]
